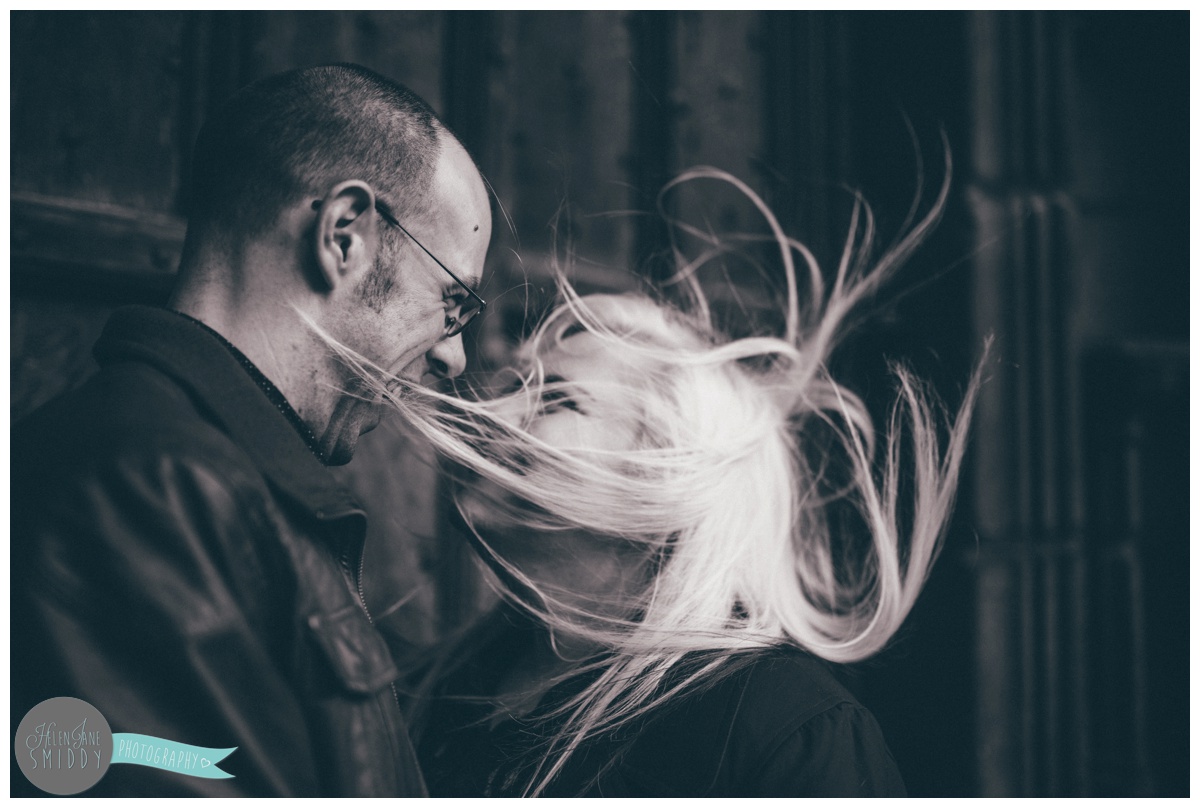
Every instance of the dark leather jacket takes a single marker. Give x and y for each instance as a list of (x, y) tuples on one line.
[(181, 561)]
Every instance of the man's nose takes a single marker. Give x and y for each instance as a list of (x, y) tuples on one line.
[(447, 359)]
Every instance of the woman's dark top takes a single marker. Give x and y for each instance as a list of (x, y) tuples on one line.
[(778, 725)]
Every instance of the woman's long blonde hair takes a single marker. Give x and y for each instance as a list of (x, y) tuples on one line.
[(745, 449)]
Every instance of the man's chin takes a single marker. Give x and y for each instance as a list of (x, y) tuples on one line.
[(340, 450), (342, 437), (371, 420)]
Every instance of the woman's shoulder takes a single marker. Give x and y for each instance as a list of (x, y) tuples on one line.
[(799, 728), (766, 692), (789, 685), (778, 723)]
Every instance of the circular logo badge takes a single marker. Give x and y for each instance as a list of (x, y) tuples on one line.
[(64, 745)]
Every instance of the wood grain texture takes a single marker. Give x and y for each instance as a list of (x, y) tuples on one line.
[(95, 102), (77, 248), (405, 46)]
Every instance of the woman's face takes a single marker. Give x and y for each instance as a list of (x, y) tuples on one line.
[(576, 413)]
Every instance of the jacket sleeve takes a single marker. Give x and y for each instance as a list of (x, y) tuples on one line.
[(143, 585)]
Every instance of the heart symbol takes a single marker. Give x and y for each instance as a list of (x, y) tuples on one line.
[(204, 762)]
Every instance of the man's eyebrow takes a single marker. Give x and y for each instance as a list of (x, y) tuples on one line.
[(457, 289)]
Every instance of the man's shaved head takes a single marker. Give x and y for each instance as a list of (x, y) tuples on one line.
[(299, 132), (287, 249)]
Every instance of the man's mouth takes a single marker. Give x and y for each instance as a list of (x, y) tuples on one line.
[(395, 383)]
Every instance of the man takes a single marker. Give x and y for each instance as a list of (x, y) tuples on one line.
[(181, 557)]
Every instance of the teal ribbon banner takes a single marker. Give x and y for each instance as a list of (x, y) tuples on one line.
[(159, 753)]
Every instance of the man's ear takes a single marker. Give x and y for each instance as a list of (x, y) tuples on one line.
[(346, 234)]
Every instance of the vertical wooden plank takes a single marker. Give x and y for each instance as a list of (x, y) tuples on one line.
[(216, 61), (405, 46), (557, 156), (1029, 603), (468, 55), (718, 97), (285, 40), (489, 342), (999, 484), (567, 130), (806, 121), (996, 744), (1080, 650), (1028, 282), (1139, 696), (94, 105), (652, 63), (1051, 630)]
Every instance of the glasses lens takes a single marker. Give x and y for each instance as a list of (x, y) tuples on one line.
[(466, 313)]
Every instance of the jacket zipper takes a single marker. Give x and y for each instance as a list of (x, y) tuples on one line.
[(362, 599)]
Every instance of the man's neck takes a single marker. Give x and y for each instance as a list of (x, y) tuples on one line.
[(273, 394), (274, 338)]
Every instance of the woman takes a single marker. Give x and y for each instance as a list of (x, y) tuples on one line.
[(687, 528)]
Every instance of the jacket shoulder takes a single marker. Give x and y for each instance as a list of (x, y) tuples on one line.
[(788, 686), (126, 410), (127, 467), (778, 724)]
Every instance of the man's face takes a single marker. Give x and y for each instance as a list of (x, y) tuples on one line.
[(398, 316)]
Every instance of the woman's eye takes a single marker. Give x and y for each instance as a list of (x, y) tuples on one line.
[(558, 400)]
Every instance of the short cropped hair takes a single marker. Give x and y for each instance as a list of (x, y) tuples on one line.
[(299, 132)]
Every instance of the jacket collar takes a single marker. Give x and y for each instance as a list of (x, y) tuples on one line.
[(195, 357)]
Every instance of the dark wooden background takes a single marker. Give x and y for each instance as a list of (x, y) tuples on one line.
[(1049, 655)]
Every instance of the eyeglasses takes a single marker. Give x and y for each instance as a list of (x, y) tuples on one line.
[(469, 309)]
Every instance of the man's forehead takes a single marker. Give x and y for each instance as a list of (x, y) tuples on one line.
[(457, 187), (458, 217), (456, 174)]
